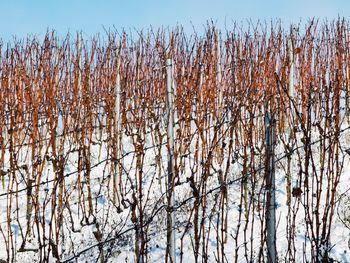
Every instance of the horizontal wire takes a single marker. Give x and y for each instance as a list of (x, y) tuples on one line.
[(174, 208)]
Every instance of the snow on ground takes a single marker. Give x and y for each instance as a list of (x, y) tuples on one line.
[(243, 240)]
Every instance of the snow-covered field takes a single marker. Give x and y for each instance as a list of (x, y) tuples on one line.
[(237, 207)]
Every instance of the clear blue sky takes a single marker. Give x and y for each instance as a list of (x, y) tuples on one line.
[(22, 17)]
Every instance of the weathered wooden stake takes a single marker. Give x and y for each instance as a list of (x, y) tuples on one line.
[(218, 74), (270, 188), (170, 186), (118, 134)]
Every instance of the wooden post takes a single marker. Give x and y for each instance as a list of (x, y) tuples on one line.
[(290, 115), (291, 79), (170, 185), (218, 75), (118, 133), (270, 188)]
